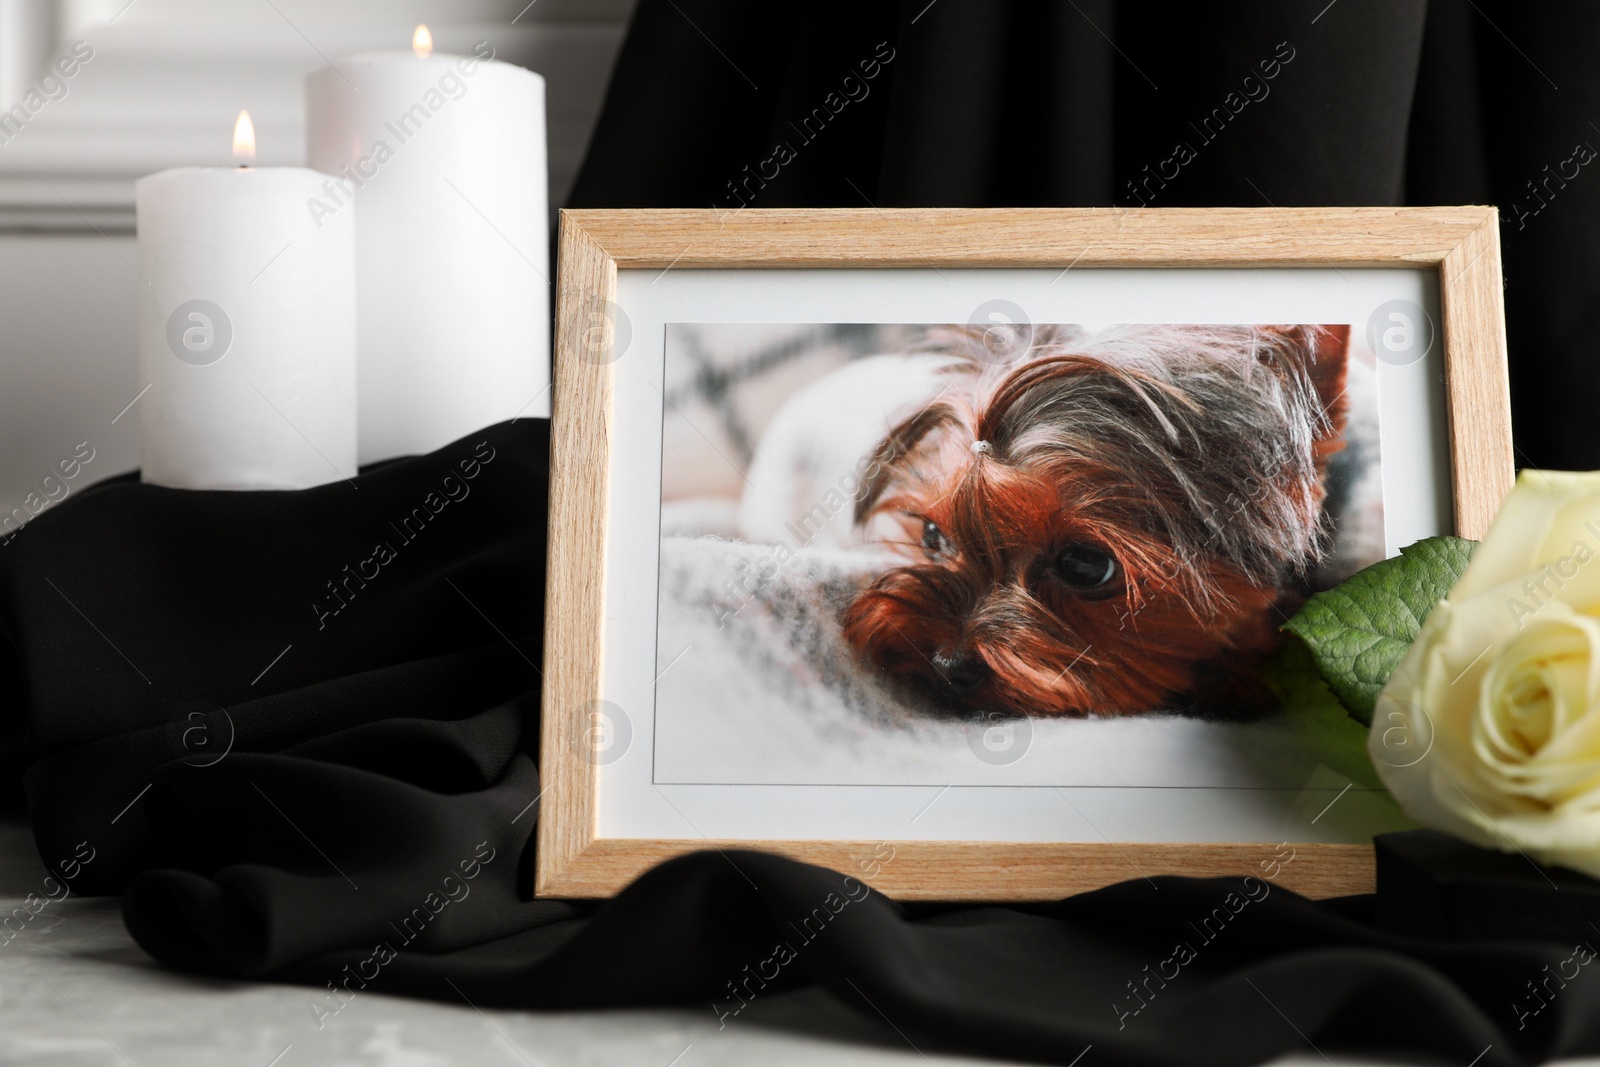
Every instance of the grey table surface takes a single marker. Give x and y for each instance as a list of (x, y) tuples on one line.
[(75, 990)]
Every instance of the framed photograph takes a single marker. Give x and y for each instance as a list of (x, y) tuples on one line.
[(949, 548)]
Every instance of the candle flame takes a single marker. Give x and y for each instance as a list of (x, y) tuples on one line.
[(422, 42), (244, 139)]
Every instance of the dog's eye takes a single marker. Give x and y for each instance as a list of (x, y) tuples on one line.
[(933, 539), (1085, 567)]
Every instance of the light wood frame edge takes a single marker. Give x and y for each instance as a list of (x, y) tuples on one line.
[(1462, 243)]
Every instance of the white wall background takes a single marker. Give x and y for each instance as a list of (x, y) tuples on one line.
[(166, 80)]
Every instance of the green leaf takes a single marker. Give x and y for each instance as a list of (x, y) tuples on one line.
[(1313, 720), (1358, 631)]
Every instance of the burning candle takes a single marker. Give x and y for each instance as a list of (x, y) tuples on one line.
[(446, 155), (247, 328)]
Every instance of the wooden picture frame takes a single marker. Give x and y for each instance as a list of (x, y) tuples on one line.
[(1460, 243)]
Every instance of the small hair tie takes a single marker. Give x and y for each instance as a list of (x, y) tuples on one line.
[(980, 448)]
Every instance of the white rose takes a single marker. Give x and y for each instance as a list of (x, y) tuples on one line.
[(1490, 728)]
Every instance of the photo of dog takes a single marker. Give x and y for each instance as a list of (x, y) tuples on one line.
[(872, 530), (1105, 525)]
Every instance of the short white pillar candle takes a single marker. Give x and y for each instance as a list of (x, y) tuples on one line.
[(247, 330)]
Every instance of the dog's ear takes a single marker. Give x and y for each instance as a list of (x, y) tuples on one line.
[(1322, 352), (892, 451), (1328, 366)]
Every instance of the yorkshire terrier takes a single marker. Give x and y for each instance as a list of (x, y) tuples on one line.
[(1106, 523)]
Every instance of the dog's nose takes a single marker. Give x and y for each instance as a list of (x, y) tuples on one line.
[(963, 671)]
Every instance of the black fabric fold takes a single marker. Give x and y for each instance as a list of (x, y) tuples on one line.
[(166, 632), (1038, 984)]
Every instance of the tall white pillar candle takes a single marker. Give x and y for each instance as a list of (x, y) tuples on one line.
[(446, 157), (247, 331)]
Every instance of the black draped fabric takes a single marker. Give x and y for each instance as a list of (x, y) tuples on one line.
[(298, 730), (304, 758), (991, 103)]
